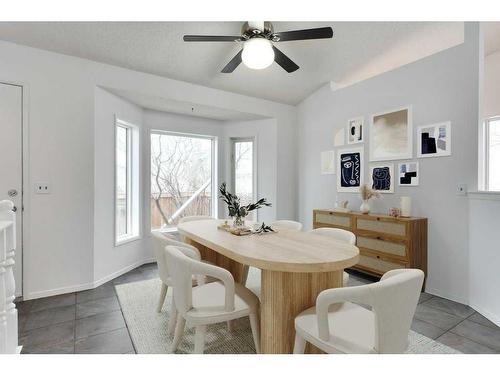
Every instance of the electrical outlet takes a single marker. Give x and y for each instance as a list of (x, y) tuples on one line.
[(462, 189), (42, 188)]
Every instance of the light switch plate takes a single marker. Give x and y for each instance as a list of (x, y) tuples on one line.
[(462, 189), (42, 188)]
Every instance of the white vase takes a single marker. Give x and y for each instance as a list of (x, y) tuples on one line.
[(405, 206), (365, 207)]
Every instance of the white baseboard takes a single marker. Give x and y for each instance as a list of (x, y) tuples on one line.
[(438, 293), (91, 285), (124, 270)]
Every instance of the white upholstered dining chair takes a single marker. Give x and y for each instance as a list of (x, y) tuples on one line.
[(160, 241), (286, 224), (341, 235), (338, 324), (207, 304)]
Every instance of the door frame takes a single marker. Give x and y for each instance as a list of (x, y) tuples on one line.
[(24, 210)]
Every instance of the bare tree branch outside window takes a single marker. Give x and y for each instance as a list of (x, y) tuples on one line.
[(180, 167)]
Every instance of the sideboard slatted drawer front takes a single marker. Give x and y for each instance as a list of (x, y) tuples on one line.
[(398, 229), (379, 265), (332, 219), (388, 247)]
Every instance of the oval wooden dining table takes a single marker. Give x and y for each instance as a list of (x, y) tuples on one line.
[(296, 266)]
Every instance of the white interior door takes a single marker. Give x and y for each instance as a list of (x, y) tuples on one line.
[(11, 156)]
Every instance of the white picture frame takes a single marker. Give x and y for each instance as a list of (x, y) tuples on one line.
[(446, 126), (384, 171), (353, 175), (409, 167), (339, 137), (389, 138), (355, 130), (328, 162)]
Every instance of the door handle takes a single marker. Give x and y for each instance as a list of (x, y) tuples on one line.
[(14, 209)]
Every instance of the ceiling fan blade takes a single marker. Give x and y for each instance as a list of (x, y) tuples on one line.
[(284, 61), (319, 33), (233, 64), (211, 38)]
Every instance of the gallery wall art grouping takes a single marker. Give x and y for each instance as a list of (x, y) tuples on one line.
[(390, 138)]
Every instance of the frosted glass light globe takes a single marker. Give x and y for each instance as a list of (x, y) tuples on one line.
[(257, 53)]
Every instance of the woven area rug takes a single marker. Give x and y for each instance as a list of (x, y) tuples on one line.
[(148, 329)]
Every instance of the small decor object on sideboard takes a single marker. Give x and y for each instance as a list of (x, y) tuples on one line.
[(342, 206), (405, 206), (236, 211), (395, 212), (366, 194)]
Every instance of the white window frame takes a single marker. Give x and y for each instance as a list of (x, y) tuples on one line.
[(486, 153), (214, 176), (134, 211), (233, 141)]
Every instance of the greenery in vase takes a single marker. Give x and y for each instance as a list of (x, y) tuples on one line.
[(233, 203)]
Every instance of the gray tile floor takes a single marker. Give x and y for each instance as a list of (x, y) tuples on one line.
[(92, 321)]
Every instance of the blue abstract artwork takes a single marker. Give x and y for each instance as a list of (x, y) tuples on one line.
[(381, 178), (350, 170)]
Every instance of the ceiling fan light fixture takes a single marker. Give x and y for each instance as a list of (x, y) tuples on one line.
[(257, 53)]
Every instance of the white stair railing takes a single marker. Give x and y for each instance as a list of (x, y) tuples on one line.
[(8, 311)]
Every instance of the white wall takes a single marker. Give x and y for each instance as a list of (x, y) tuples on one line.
[(492, 85), (442, 87), (60, 91), (484, 221), (110, 261), (265, 134)]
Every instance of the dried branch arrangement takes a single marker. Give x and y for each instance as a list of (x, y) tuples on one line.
[(367, 193)]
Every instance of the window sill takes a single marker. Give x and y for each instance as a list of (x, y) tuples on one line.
[(125, 240), (484, 195)]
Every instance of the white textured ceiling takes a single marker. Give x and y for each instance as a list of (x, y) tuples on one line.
[(184, 108), (358, 50)]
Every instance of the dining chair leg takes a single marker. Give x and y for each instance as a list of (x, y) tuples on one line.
[(163, 294), (244, 275), (230, 325), (300, 345), (179, 331), (254, 324), (173, 318), (199, 339)]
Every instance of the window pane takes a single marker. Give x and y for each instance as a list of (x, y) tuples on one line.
[(121, 181), (494, 155), (181, 178), (243, 171)]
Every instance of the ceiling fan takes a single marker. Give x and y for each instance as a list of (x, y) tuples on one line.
[(258, 51)]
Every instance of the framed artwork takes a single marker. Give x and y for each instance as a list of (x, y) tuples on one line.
[(391, 135), (434, 140), (339, 139), (355, 128), (382, 177), (408, 174), (328, 162), (350, 170)]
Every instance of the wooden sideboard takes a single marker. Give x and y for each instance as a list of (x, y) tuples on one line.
[(384, 242)]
